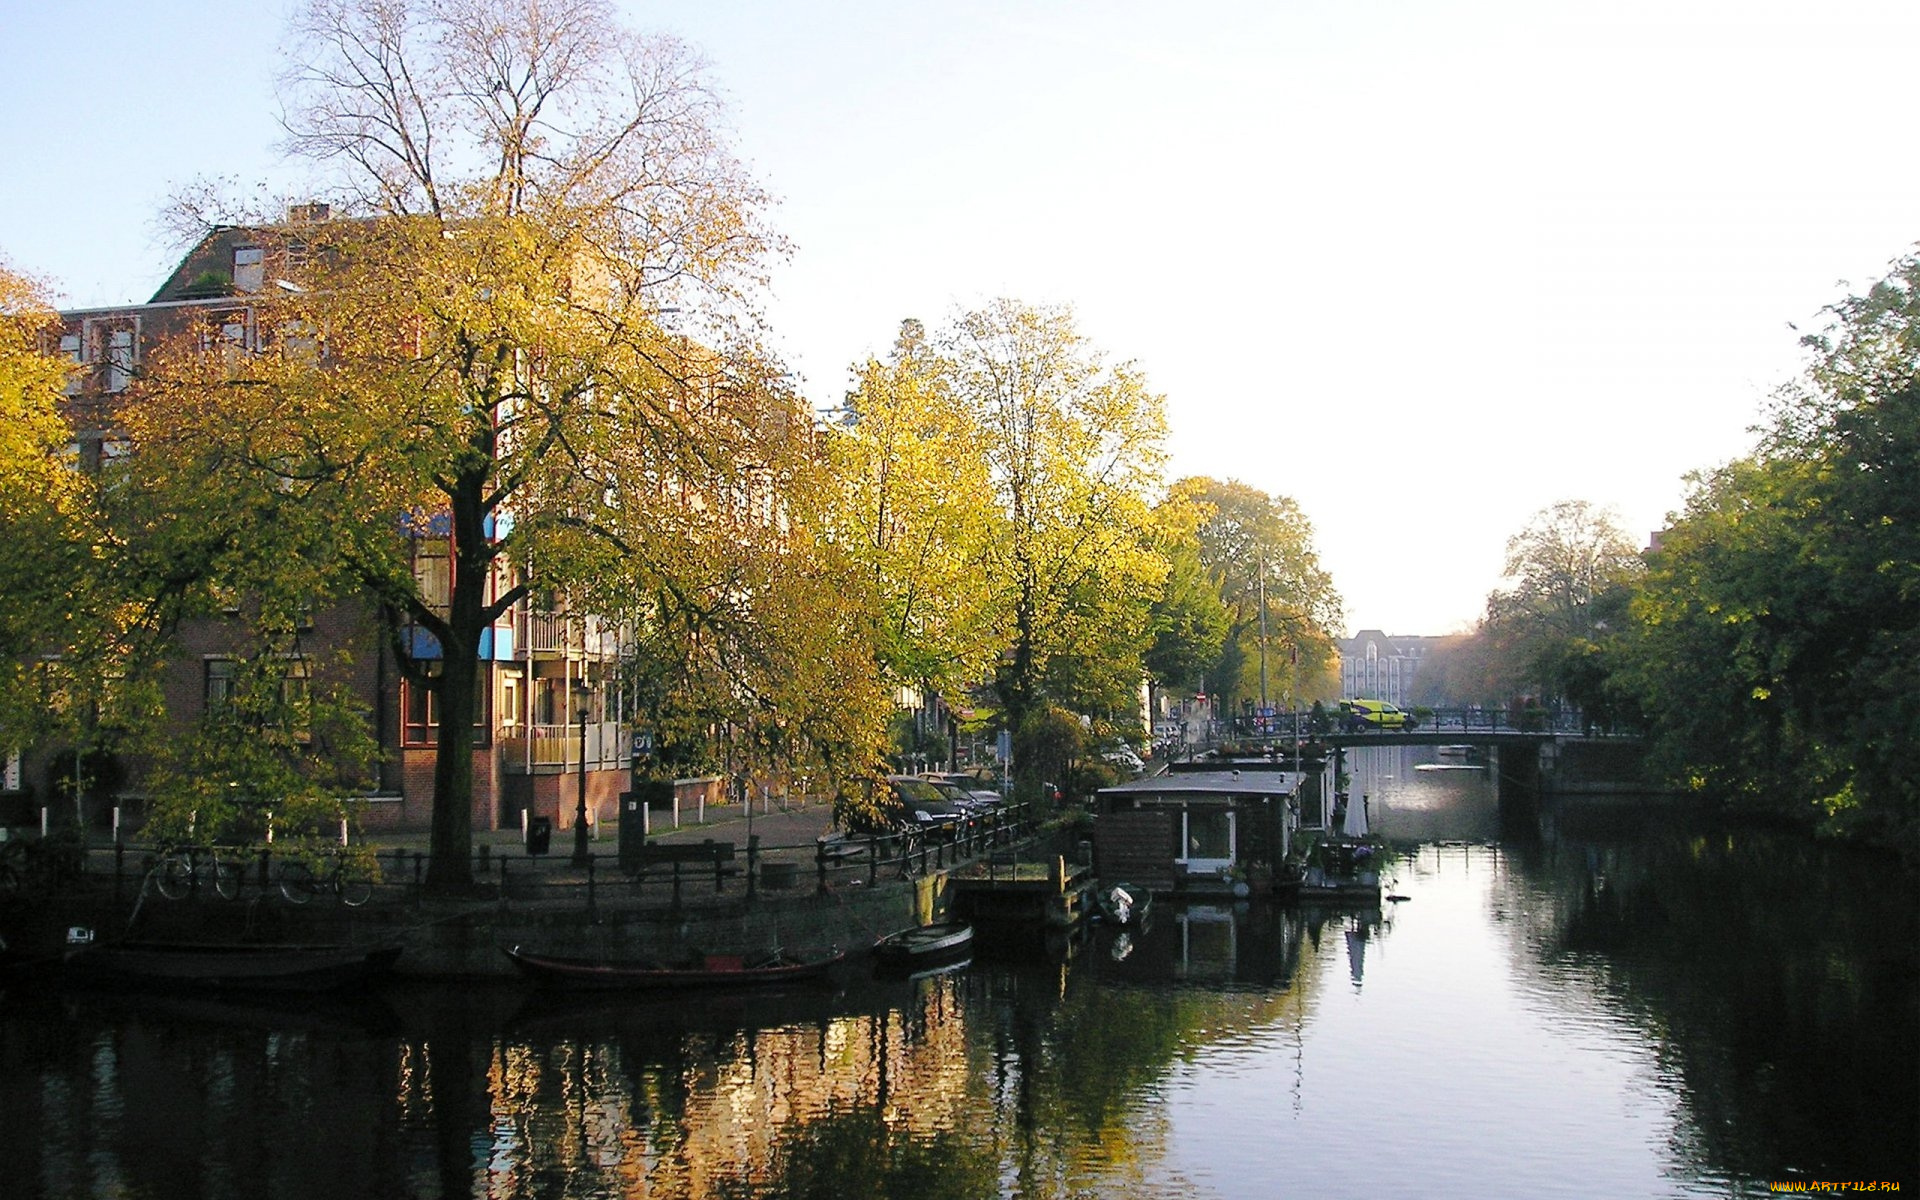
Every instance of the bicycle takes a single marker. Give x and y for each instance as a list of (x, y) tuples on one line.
[(178, 873), (349, 882)]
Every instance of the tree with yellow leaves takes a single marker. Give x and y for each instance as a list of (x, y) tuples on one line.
[(1074, 447), (527, 337), (61, 635)]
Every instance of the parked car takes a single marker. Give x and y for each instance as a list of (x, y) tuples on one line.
[(974, 797), (1359, 715), (1124, 757), (919, 803)]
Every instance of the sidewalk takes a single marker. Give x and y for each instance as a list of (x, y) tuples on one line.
[(796, 827)]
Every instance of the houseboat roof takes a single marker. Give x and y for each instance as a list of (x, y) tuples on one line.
[(1222, 783)]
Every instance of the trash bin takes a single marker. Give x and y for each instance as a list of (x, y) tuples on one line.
[(646, 793), (539, 834)]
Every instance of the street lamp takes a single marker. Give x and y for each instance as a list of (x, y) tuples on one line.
[(580, 853)]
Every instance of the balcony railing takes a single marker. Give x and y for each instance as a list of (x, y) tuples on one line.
[(546, 747), (570, 634)]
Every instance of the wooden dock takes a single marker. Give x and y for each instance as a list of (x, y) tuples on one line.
[(1047, 894)]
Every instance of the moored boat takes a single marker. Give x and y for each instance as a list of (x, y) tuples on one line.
[(924, 945), (713, 970), (238, 966), (1341, 869), (1123, 903)]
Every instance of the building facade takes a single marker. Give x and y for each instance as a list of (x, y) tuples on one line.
[(1376, 666), (549, 716)]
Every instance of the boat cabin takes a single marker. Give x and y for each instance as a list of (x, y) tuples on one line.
[(1199, 831)]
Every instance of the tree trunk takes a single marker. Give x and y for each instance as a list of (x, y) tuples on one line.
[(1018, 687), (450, 852), (450, 864)]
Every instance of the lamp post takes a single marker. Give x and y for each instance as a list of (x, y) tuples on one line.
[(580, 854)]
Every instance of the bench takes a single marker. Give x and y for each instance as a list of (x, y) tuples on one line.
[(719, 855)]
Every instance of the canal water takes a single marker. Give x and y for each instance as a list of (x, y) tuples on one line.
[(1601, 999)]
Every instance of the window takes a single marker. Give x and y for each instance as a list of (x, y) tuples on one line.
[(296, 695), (249, 268), (433, 572), (420, 708), (1206, 839), (10, 772), (509, 702), (219, 683), (120, 357), (72, 348), (228, 332), (279, 693)]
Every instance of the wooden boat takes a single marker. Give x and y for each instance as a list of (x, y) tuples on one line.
[(924, 945), (1123, 903), (242, 966), (715, 970)]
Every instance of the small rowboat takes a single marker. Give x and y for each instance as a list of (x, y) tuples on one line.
[(924, 945), (208, 966), (1123, 903), (715, 970)]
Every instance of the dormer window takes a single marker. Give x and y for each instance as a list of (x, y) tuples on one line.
[(249, 268)]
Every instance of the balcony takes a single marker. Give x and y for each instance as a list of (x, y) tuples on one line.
[(554, 749), (570, 635)]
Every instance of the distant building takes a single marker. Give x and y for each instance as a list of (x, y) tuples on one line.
[(1375, 666)]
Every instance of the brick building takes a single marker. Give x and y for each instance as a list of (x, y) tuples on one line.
[(549, 707)]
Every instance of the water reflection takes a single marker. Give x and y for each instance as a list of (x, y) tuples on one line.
[(1626, 1004)]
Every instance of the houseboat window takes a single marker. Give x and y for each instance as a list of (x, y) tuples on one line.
[(1207, 839)]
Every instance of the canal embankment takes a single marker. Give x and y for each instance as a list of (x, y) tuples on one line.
[(788, 891)]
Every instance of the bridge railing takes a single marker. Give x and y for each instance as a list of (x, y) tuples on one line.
[(1303, 724)]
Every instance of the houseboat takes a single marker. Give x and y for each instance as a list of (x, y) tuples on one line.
[(1226, 831)]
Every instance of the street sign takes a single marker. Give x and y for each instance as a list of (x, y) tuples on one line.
[(642, 743)]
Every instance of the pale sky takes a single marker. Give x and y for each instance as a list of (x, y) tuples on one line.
[(1426, 267)]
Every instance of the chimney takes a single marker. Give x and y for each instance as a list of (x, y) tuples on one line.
[(306, 214)]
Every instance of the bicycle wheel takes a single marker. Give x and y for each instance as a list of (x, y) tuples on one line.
[(910, 861), (173, 878), (226, 878), (297, 884), (356, 886)]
